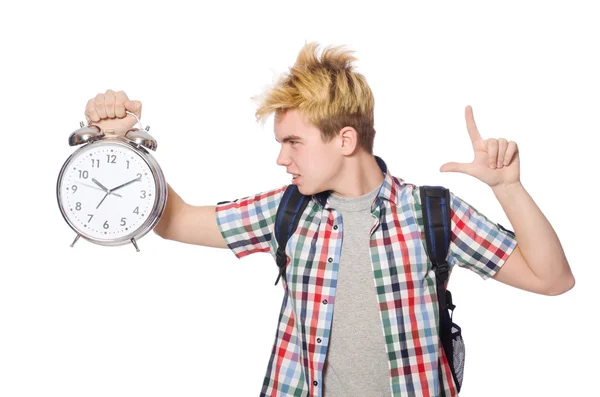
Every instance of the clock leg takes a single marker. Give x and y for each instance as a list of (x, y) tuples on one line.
[(76, 238), (135, 244)]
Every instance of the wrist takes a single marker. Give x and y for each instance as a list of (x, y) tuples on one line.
[(507, 189)]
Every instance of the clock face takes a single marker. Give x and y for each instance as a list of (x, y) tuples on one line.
[(107, 191)]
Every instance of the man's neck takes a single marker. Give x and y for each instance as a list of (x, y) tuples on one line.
[(361, 175)]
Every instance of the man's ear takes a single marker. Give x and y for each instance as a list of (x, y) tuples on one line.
[(349, 140)]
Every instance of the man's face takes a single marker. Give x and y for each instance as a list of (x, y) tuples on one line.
[(303, 152)]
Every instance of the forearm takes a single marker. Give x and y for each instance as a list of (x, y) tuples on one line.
[(535, 236), (189, 223)]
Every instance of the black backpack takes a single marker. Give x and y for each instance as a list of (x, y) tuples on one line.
[(436, 217)]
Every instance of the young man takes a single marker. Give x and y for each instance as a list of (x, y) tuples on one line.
[(359, 314)]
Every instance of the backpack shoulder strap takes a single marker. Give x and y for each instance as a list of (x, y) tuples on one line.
[(290, 210), (435, 206)]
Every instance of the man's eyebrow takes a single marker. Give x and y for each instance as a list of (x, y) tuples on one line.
[(289, 138)]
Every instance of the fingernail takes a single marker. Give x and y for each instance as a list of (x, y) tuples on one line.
[(492, 165), (499, 164)]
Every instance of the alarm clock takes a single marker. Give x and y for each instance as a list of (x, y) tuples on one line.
[(111, 191)]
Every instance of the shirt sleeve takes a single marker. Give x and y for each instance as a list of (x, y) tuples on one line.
[(247, 224), (477, 244)]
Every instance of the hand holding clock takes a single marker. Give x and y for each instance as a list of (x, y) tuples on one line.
[(109, 111)]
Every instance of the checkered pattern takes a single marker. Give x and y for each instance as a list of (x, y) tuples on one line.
[(403, 279)]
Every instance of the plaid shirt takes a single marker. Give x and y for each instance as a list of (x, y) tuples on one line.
[(403, 278)]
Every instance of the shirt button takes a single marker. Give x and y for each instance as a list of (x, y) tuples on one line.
[(330, 260), (335, 227), (324, 301), (318, 340), (315, 383)]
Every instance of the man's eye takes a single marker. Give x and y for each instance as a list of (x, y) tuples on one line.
[(293, 142)]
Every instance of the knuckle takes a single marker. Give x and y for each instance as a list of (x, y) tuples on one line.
[(121, 96), (119, 110), (120, 99)]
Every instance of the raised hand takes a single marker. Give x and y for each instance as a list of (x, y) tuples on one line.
[(108, 111), (496, 160)]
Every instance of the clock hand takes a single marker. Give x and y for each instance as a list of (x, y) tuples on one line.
[(103, 188), (125, 184), (101, 185), (105, 196), (94, 187)]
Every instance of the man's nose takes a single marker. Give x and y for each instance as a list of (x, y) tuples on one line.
[(283, 159)]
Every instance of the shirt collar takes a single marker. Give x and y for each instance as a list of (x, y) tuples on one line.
[(389, 190)]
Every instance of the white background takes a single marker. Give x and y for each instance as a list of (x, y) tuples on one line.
[(183, 320)]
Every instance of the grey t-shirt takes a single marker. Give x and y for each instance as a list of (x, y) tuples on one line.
[(356, 362)]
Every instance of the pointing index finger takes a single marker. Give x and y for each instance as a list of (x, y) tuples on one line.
[(471, 126)]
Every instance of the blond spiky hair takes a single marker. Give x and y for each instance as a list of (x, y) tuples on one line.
[(327, 91)]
